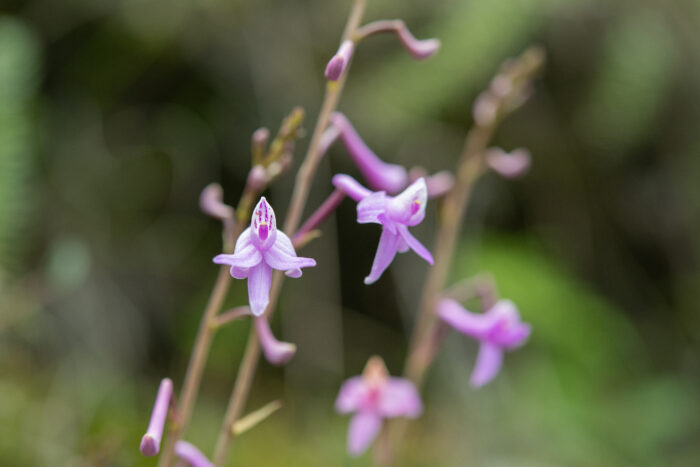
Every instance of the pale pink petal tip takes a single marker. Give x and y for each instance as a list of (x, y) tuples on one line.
[(190, 454), (211, 202), (364, 428), (149, 447), (509, 165), (336, 66), (276, 352)]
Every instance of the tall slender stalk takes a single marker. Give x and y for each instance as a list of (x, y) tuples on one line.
[(198, 358), (470, 167), (302, 186)]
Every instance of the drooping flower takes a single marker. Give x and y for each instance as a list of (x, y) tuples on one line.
[(190, 454), (260, 249), (373, 397), (150, 443), (395, 214), (498, 330)]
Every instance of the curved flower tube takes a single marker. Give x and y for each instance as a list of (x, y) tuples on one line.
[(276, 352), (373, 397), (380, 175), (260, 249), (150, 443), (497, 330), (190, 454)]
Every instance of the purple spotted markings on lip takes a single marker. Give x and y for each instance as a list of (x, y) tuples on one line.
[(373, 397), (395, 214), (498, 330), (260, 249)]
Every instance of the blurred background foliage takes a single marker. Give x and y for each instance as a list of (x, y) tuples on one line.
[(115, 114)]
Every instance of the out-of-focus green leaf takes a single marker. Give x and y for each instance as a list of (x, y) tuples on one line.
[(19, 63), (625, 96)]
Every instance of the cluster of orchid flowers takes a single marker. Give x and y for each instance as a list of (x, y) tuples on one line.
[(396, 199)]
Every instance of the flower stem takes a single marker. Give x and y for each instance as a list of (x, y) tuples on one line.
[(198, 358), (320, 215), (470, 167), (302, 187)]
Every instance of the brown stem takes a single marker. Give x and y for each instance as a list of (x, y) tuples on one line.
[(198, 358), (302, 187)]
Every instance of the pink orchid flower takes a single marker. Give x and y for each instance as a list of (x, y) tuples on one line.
[(497, 330), (395, 214), (260, 249), (373, 397)]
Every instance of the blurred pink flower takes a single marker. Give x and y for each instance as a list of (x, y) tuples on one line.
[(498, 330), (260, 249), (373, 397), (150, 443), (395, 214), (190, 454)]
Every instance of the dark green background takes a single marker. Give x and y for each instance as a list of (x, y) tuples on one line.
[(115, 114)]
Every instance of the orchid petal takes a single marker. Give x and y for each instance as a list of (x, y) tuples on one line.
[(190, 454), (372, 208), (517, 335), (350, 395), (247, 258), (400, 397), (283, 257), (364, 427), (415, 245), (388, 244), (488, 363), (259, 281), (471, 324), (408, 207)]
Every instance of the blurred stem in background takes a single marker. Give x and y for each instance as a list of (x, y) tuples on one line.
[(300, 194), (507, 92)]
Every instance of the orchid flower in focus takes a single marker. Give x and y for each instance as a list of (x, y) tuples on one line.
[(373, 397), (498, 330), (395, 214), (260, 249)]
